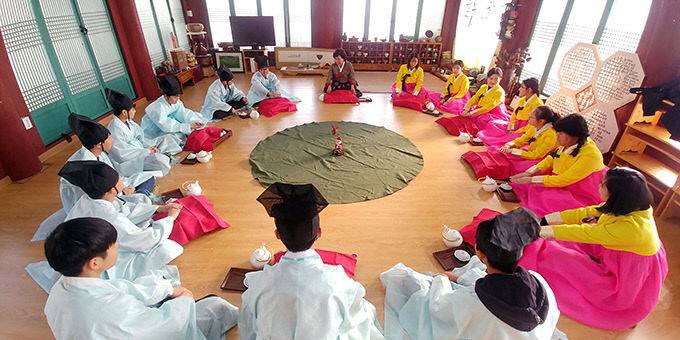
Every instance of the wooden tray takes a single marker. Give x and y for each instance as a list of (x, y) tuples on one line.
[(223, 138), (475, 143), (448, 261), (234, 279), (189, 161), (507, 196), (177, 193)]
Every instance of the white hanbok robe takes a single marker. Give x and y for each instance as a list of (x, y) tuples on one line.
[(161, 118), (131, 151), (302, 298), (418, 306), (217, 98), (139, 213), (70, 193), (92, 308), (261, 85), (140, 248)]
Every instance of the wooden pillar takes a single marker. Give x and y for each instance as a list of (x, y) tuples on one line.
[(326, 23), (528, 10), (133, 47), (449, 25), (19, 148), (199, 12)]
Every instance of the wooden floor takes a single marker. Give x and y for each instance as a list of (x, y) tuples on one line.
[(403, 227)]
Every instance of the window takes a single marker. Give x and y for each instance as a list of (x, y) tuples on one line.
[(245, 7), (353, 18), (300, 13), (218, 16), (432, 17), (613, 24), (476, 38), (405, 19), (274, 8), (299, 17), (380, 19), (624, 27)]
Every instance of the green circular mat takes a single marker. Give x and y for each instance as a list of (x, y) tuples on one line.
[(377, 161)]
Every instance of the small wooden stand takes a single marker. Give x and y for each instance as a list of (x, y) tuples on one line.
[(647, 147)]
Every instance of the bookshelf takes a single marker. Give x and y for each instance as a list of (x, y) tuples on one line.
[(388, 56)]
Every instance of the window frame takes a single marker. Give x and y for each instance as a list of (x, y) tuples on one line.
[(560, 33)]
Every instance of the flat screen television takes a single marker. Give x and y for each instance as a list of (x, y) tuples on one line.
[(253, 31)]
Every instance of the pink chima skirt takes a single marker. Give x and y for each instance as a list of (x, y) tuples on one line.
[(497, 113), (599, 287), (409, 88), (544, 200), (497, 165), (496, 132), (454, 106)]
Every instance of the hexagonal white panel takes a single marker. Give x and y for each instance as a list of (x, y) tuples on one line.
[(616, 76), (595, 89), (563, 103), (579, 66), (602, 126)]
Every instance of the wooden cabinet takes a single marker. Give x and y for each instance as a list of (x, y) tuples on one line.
[(366, 55), (647, 146)]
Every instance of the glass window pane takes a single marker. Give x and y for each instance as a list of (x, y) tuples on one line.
[(432, 17), (275, 8), (581, 26), (245, 7), (300, 12), (476, 38), (624, 26), (353, 17), (218, 16), (548, 20), (405, 20), (381, 17)]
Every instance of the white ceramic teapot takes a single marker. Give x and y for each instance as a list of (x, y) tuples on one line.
[(429, 106), (488, 184), (464, 137), (452, 238), (204, 156), (193, 189), (260, 257)]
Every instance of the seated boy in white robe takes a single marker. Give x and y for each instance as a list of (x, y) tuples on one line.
[(300, 297), (265, 84), (144, 246), (505, 302), (83, 306), (168, 116), (96, 140), (144, 241), (131, 151), (223, 99)]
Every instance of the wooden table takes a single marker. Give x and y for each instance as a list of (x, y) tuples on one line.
[(192, 75), (294, 71)]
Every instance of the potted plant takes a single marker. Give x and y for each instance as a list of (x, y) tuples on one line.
[(511, 62)]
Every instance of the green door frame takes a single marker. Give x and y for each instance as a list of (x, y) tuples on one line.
[(52, 55), (158, 30)]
